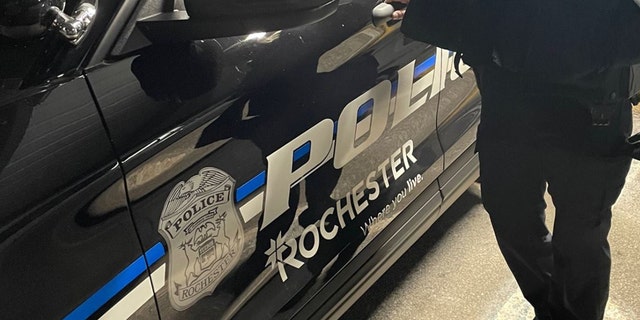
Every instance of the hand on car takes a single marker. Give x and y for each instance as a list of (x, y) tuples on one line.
[(398, 14)]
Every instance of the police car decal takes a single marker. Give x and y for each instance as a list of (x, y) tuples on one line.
[(353, 136), (193, 275), (285, 251), (397, 100), (204, 235)]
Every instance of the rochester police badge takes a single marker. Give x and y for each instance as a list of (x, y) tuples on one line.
[(202, 229)]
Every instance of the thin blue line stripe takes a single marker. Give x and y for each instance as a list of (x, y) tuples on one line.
[(258, 181), (155, 253), (135, 269), (250, 186), (302, 151), (424, 66), (113, 287), (365, 107)]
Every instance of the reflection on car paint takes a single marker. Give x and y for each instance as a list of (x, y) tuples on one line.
[(424, 75), (354, 204)]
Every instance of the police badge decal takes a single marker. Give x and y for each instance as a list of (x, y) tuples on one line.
[(204, 235)]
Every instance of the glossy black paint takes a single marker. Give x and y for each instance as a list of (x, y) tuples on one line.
[(56, 226), (88, 158), (175, 91), (207, 19)]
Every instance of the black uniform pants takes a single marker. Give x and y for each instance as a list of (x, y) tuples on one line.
[(564, 274)]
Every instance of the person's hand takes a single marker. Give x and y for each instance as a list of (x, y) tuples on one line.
[(398, 14)]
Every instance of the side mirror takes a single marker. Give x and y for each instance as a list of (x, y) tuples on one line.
[(206, 19), (28, 19)]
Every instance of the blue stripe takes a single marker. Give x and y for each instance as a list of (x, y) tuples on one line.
[(258, 181), (155, 253), (250, 186), (366, 107), (113, 287), (424, 66), (135, 269), (302, 151)]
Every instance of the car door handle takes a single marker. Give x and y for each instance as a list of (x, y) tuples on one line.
[(361, 41), (381, 13)]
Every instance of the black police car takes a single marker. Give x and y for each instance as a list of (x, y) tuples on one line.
[(208, 159)]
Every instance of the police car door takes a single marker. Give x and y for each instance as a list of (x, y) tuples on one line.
[(68, 244), (260, 165), (458, 118)]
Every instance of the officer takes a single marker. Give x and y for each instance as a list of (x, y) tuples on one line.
[(565, 137)]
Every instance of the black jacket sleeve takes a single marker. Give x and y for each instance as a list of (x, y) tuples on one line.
[(626, 42)]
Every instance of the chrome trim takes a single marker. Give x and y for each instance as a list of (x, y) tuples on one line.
[(73, 27)]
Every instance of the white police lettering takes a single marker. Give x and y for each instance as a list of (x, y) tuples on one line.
[(353, 135), (349, 128), (403, 107), (281, 177), (386, 212), (440, 72), (347, 209)]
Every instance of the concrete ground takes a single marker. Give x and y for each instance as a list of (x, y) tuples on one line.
[(455, 271)]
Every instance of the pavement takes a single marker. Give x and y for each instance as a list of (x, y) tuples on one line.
[(455, 271)]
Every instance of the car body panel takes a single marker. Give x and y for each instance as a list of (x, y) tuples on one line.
[(271, 175), (56, 232), (253, 104)]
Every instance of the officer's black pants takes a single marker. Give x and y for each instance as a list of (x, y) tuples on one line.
[(564, 276)]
